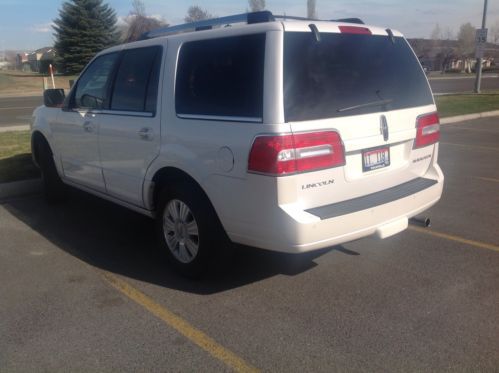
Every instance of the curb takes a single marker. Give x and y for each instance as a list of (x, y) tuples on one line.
[(462, 118), (21, 94), (20, 188), (18, 127)]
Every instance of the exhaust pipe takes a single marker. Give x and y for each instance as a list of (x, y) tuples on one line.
[(422, 222)]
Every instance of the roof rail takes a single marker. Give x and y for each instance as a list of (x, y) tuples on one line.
[(346, 20), (349, 20), (208, 24), (249, 18), (285, 17)]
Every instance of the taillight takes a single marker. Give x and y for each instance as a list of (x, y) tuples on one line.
[(428, 130), (354, 30), (292, 153)]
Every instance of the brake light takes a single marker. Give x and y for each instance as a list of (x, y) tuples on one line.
[(292, 153), (354, 30), (428, 130)]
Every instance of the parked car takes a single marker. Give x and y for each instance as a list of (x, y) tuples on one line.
[(283, 134)]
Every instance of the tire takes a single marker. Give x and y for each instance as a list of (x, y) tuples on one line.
[(53, 188), (190, 235)]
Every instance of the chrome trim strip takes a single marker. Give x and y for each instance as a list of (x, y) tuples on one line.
[(221, 118)]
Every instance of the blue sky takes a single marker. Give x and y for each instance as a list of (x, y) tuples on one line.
[(25, 24)]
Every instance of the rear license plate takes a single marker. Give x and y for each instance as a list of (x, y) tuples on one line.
[(372, 159)]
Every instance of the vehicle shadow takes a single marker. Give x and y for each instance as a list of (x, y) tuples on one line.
[(17, 167), (117, 240)]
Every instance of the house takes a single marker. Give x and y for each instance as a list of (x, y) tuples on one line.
[(445, 55), (22, 62), (40, 59)]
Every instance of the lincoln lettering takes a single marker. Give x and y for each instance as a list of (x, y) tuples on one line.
[(318, 184)]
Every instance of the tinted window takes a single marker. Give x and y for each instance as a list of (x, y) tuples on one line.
[(346, 70), (136, 84), (92, 86), (222, 77)]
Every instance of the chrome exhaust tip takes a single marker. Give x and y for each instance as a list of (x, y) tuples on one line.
[(422, 222)]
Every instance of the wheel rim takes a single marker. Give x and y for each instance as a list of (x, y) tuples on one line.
[(181, 231)]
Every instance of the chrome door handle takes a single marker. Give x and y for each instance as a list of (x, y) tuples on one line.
[(145, 133), (88, 127)]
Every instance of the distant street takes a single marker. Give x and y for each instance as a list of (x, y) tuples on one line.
[(463, 84), (17, 110)]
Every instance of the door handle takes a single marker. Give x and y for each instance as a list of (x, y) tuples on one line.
[(146, 133), (88, 126)]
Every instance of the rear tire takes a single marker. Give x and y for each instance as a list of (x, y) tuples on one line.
[(54, 189), (189, 233)]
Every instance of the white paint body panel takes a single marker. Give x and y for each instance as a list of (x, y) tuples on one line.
[(262, 211)]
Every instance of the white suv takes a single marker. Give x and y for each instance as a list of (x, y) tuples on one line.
[(284, 134)]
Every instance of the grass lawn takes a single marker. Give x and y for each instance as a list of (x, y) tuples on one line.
[(451, 105), (14, 82), (15, 157)]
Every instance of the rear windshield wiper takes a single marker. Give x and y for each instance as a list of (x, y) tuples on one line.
[(368, 104)]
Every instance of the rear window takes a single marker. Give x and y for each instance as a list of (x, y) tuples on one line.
[(349, 74), (221, 78)]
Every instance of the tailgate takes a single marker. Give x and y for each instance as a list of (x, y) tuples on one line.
[(370, 89)]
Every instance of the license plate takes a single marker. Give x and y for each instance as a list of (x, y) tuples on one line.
[(372, 159)]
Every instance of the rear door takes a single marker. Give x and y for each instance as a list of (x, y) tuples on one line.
[(129, 135), (369, 87)]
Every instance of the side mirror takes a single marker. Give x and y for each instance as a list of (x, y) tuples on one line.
[(53, 97)]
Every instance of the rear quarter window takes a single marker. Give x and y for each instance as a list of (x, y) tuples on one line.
[(221, 78), (321, 79)]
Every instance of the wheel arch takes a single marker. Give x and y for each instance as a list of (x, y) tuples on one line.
[(170, 175), (37, 137)]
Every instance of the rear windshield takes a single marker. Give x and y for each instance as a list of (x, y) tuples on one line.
[(349, 74)]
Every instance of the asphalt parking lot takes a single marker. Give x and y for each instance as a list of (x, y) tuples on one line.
[(82, 289)]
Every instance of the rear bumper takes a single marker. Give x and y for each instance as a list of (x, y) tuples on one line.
[(385, 213)]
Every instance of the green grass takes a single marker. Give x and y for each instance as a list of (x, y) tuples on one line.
[(15, 157), (451, 105), (18, 82)]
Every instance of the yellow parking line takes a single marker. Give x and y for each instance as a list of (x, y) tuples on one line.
[(451, 237), (487, 179), (180, 325), (471, 146)]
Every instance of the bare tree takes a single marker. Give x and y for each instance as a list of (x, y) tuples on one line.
[(448, 34), (138, 8), (494, 33), (256, 5), (436, 33), (311, 9), (196, 13), (466, 38), (139, 23)]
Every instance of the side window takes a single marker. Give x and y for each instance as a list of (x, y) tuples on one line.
[(92, 86), (136, 84), (221, 77)]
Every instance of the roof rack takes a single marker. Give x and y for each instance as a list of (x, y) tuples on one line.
[(249, 18), (208, 24), (349, 20)]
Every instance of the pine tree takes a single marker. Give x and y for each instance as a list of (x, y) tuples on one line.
[(84, 27)]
